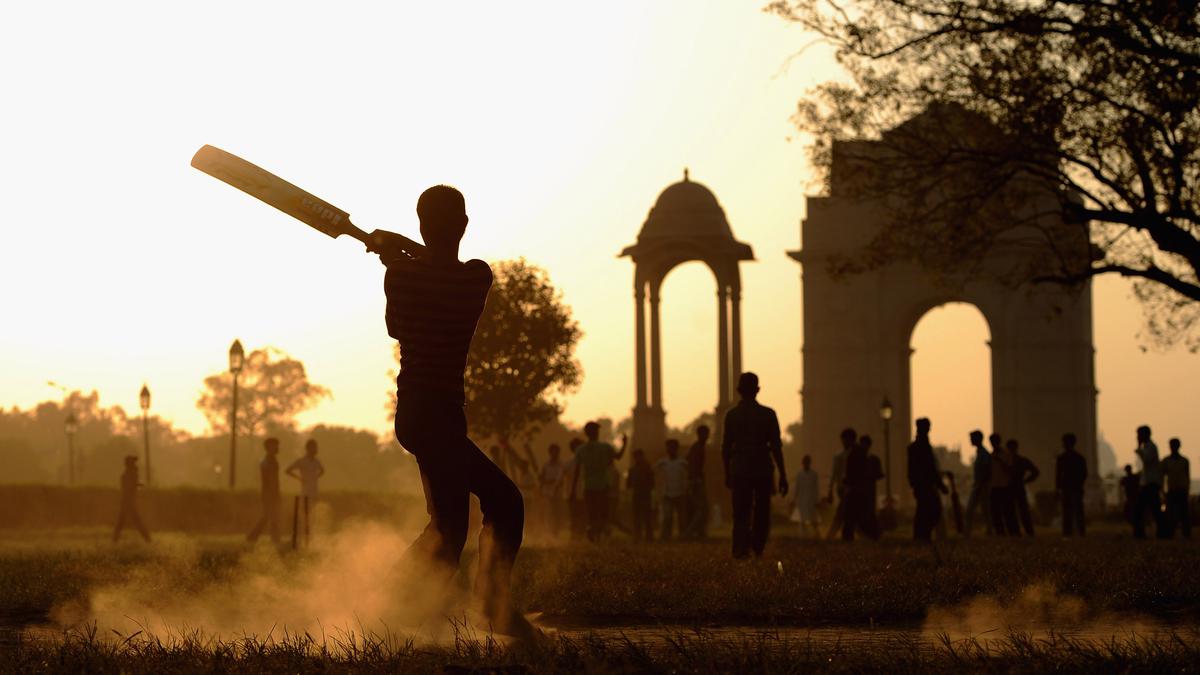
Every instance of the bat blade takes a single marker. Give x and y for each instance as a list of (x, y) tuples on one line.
[(267, 187)]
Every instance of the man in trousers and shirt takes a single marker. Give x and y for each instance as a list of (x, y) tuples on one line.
[(751, 442), (308, 470)]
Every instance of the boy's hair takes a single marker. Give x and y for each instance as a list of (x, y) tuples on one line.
[(441, 203), (591, 428)]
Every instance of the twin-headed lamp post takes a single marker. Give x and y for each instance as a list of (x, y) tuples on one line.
[(885, 412), (237, 360), (144, 401)]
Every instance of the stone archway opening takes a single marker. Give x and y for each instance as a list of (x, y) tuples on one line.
[(690, 371), (951, 374)]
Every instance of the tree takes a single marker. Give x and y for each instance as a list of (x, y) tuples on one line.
[(1094, 99), (522, 355), (272, 389)]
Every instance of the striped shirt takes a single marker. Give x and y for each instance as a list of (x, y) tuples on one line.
[(432, 311)]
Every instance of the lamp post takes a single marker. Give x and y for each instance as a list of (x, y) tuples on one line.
[(144, 400), (71, 426), (237, 359), (889, 502)]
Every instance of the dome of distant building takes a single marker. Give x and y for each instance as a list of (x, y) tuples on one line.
[(686, 209)]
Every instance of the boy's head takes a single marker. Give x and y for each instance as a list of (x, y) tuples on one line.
[(591, 430), (1013, 446), (1128, 469), (574, 444), (864, 442), (271, 445), (976, 437), (995, 440), (554, 450), (310, 448), (1068, 441), (806, 462), (443, 214), (1174, 443), (672, 448), (130, 461), (702, 432), (1143, 433), (639, 455), (923, 426)]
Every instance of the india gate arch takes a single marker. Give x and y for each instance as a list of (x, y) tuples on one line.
[(685, 224), (856, 343)]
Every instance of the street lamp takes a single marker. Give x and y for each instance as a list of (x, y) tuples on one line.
[(889, 503), (71, 426), (144, 400), (237, 360)]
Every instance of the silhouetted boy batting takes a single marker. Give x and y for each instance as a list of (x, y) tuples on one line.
[(433, 304)]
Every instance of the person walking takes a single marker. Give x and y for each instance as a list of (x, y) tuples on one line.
[(268, 470), (1131, 485), (804, 502), (697, 488), (640, 483), (672, 471), (1070, 475), (750, 443), (1004, 507), (434, 301), (980, 498), (1179, 482), (129, 509), (1024, 473), (550, 487), (837, 481), (1150, 494), (925, 479), (861, 476), (592, 461)]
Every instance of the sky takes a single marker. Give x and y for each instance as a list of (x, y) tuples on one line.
[(560, 122)]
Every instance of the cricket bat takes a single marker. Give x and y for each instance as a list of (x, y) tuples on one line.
[(303, 206)]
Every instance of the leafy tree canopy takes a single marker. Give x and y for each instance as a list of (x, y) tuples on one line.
[(272, 389)]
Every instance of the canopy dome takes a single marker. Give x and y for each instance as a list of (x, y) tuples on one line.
[(687, 214), (686, 209)]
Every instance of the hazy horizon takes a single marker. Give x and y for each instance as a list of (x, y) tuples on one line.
[(124, 265)]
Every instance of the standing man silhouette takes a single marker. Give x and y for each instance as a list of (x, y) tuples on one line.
[(697, 489), (1024, 472), (1070, 476), (750, 444), (593, 463), (926, 481), (837, 481), (980, 498), (674, 472), (1150, 494), (129, 510), (269, 470), (1179, 481), (434, 302)]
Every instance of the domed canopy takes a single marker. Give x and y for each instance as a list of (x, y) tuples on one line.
[(688, 211)]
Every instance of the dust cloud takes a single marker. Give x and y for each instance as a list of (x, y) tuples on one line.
[(1037, 609), (355, 581)]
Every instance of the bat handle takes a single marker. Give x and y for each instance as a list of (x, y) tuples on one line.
[(380, 241)]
